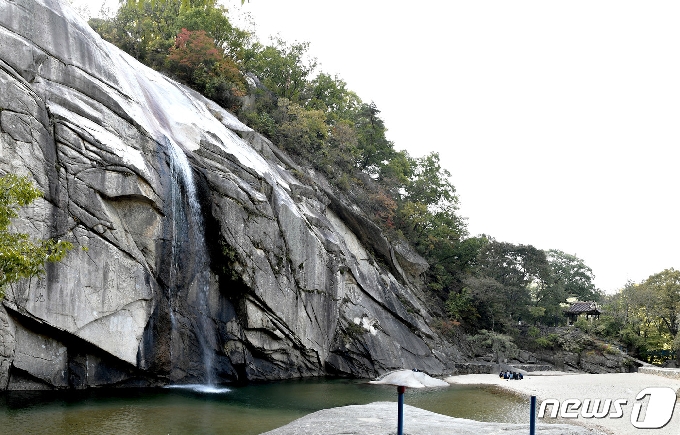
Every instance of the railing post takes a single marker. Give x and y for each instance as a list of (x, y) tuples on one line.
[(400, 415), (532, 416)]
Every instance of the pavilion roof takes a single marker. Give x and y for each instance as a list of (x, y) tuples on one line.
[(584, 308)]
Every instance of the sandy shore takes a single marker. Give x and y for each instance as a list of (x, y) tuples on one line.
[(588, 386)]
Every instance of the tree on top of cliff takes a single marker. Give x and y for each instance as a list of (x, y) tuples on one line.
[(193, 50), (147, 29), (198, 62), (283, 68), (21, 257), (191, 40)]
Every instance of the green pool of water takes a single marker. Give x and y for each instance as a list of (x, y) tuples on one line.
[(245, 410)]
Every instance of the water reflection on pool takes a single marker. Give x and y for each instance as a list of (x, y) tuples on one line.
[(245, 410)]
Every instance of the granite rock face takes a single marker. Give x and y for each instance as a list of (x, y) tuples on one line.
[(199, 255)]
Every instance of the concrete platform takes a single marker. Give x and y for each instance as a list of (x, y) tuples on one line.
[(380, 418)]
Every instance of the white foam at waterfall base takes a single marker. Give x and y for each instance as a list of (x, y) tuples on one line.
[(200, 388)]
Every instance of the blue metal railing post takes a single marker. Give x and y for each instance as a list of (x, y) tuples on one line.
[(400, 415), (532, 416)]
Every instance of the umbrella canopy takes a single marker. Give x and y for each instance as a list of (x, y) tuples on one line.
[(410, 379)]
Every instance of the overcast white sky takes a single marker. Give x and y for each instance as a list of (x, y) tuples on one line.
[(559, 121)]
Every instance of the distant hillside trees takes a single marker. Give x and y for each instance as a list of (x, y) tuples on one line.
[(645, 317), (508, 285)]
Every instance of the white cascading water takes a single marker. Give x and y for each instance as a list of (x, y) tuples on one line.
[(183, 226)]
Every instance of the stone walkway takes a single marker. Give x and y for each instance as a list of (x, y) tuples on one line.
[(660, 371)]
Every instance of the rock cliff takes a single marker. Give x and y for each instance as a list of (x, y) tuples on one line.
[(200, 254)]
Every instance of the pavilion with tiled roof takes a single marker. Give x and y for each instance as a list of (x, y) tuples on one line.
[(589, 309)]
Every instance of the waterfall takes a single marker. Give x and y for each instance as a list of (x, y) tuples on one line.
[(189, 249)]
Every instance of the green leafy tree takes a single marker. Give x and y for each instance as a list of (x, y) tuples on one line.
[(430, 204), (459, 305), (21, 257), (191, 40), (342, 147), (488, 304), (572, 272), (665, 286), (427, 216), (375, 149), (145, 29), (516, 270), (430, 184), (330, 94), (301, 131), (282, 67), (567, 276), (396, 174), (196, 60), (548, 297), (212, 19), (193, 51), (642, 316)]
